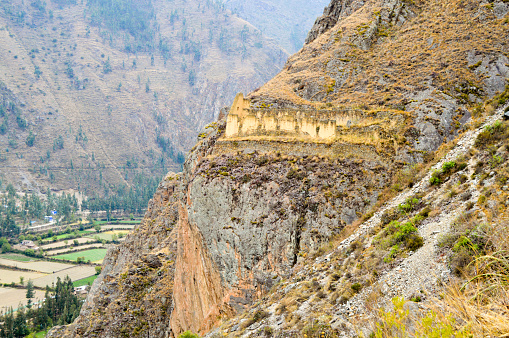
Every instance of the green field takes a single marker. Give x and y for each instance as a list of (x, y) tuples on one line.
[(93, 255), (117, 222), (108, 235), (64, 236), (19, 258), (85, 281), (40, 334)]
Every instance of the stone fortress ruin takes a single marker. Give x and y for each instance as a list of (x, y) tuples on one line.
[(245, 122)]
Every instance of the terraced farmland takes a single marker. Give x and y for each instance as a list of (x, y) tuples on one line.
[(13, 276), (60, 244), (86, 246), (10, 297), (108, 235), (41, 266), (77, 272), (94, 255)]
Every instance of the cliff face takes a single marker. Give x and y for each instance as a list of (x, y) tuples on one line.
[(218, 237), (243, 223)]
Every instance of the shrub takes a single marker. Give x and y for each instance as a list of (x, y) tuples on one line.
[(409, 205), (435, 180), (30, 139), (397, 233), (492, 134), (389, 216), (259, 315), (188, 334), (392, 254), (356, 287), (394, 324), (448, 166)]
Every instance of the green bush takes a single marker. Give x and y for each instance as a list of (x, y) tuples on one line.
[(405, 234), (356, 287), (448, 168), (188, 334), (492, 134), (435, 180), (409, 205)]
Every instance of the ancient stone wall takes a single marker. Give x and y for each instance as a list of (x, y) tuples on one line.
[(245, 122)]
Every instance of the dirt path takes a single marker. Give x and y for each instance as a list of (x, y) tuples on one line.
[(422, 270)]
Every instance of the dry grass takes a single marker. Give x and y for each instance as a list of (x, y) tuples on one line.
[(477, 308), (402, 62)]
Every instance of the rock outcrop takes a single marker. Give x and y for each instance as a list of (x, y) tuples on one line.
[(220, 235)]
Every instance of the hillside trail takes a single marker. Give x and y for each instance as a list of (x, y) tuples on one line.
[(421, 272)]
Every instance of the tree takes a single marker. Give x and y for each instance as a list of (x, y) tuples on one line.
[(37, 72), (97, 270), (6, 247), (192, 77), (30, 139), (30, 293), (107, 66), (20, 327), (69, 71), (58, 143)]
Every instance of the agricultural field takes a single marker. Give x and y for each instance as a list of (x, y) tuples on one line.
[(127, 222), (64, 250), (62, 243), (41, 266), (108, 235), (13, 276), (119, 227), (66, 236), (77, 272), (85, 281), (17, 257), (10, 297), (94, 255)]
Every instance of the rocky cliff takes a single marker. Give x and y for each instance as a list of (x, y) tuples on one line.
[(276, 236)]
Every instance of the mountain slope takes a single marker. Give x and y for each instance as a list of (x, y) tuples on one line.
[(244, 242), (104, 98), (426, 57), (288, 22)]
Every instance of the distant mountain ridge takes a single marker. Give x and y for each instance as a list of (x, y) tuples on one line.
[(288, 22), (96, 92)]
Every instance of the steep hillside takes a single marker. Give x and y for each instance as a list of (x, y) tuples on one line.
[(321, 196), (93, 93), (288, 22), (438, 60)]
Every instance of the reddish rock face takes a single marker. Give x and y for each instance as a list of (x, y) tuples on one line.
[(198, 295)]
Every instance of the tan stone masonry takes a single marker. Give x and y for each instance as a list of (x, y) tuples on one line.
[(246, 122)]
